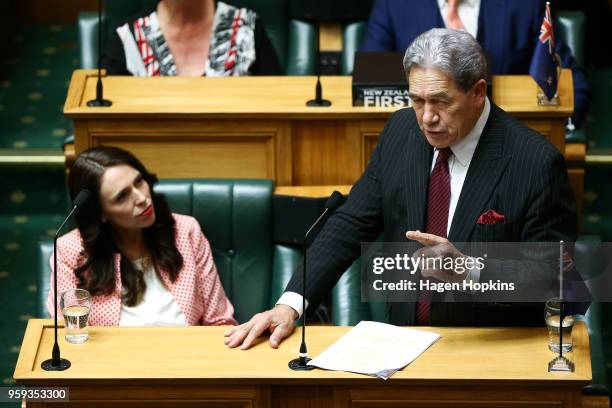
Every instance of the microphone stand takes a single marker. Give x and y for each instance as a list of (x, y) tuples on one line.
[(301, 363), (56, 363), (318, 101), (561, 363), (99, 102)]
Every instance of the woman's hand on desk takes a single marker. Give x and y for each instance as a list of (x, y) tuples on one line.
[(279, 321)]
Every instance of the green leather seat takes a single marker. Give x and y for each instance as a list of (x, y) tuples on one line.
[(599, 385), (292, 39), (352, 37), (572, 28), (236, 217)]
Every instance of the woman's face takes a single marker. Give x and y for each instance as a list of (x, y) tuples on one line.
[(125, 198)]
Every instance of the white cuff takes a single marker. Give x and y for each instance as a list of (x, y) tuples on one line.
[(293, 300)]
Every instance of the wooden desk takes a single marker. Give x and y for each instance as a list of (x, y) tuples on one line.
[(260, 127), (467, 367)]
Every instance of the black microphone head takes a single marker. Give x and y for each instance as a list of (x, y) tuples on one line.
[(81, 199), (334, 201)]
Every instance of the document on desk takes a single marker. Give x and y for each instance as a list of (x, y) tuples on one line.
[(375, 349)]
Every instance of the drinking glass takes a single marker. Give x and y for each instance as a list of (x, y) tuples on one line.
[(552, 314), (76, 305)]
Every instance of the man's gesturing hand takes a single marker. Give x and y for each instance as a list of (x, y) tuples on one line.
[(437, 248), (279, 321)]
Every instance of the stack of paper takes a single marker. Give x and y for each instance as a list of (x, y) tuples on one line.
[(376, 349)]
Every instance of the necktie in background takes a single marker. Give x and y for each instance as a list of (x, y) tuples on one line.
[(438, 202), (452, 15)]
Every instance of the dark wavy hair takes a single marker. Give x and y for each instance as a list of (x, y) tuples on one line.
[(96, 274)]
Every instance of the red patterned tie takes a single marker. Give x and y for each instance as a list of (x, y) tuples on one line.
[(452, 15), (438, 201)]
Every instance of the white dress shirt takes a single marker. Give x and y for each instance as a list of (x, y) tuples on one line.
[(468, 10), (458, 165), (158, 307)]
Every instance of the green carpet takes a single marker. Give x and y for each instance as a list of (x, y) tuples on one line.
[(36, 70)]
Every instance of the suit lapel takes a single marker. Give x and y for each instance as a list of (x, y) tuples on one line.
[(428, 14), (491, 28), (484, 173), (416, 179)]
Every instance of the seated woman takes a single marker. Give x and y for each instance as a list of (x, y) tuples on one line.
[(142, 264), (191, 38)]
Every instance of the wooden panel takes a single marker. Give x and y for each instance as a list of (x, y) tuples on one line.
[(320, 154), (311, 191), (302, 397), (221, 148), (576, 177), (209, 156), (443, 397)]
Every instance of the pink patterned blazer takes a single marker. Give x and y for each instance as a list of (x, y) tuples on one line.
[(197, 290)]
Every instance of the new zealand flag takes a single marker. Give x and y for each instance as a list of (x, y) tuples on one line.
[(543, 66)]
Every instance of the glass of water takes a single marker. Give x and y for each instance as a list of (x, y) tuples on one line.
[(76, 305), (552, 314)]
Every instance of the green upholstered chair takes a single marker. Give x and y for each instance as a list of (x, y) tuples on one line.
[(572, 28), (45, 249), (352, 37), (599, 385), (292, 39), (236, 217)]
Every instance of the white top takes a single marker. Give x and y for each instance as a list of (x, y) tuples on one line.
[(458, 165), (158, 307), (468, 13)]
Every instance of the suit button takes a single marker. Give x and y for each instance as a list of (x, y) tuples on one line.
[(231, 253)]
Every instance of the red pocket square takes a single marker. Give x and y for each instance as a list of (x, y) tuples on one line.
[(491, 217)]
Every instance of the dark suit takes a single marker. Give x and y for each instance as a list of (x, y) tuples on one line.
[(507, 31), (514, 171)]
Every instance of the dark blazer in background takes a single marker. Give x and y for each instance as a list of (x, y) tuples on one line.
[(507, 31), (514, 171)]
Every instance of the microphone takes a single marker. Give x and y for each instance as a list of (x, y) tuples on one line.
[(333, 202), (99, 102), (56, 363), (318, 101)]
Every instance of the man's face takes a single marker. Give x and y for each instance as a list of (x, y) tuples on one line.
[(445, 113)]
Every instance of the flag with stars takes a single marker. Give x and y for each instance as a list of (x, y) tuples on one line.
[(543, 68)]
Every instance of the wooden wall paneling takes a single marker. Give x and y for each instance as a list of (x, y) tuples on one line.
[(218, 148), (466, 396), (284, 157), (302, 397), (319, 153)]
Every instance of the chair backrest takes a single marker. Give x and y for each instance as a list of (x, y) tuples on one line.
[(236, 217), (293, 40), (572, 28), (352, 37), (45, 249)]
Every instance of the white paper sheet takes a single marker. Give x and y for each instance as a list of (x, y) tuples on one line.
[(376, 349)]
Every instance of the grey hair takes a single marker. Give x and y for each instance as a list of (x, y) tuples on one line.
[(454, 52)]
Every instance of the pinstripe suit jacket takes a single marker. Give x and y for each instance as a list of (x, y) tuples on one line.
[(514, 171)]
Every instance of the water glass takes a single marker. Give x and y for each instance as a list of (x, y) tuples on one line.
[(76, 305), (552, 314)]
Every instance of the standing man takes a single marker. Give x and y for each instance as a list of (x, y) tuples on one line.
[(437, 168)]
